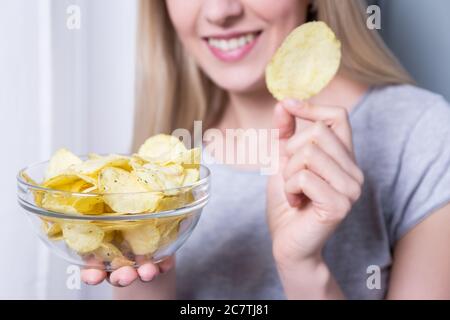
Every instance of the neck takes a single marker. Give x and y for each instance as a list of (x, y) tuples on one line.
[(255, 109), (249, 110), (342, 92)]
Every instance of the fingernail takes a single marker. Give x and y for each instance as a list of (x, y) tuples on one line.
[(92, 283), (146, 279), (89, 282), (122, 283)]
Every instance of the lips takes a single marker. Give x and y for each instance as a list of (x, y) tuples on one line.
[(232, 47)]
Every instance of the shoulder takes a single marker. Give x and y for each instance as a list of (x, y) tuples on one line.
[(402, 139), (400, 106), (400, 127), (396, 114)]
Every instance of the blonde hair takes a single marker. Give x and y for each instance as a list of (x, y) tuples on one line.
[(172, 92)]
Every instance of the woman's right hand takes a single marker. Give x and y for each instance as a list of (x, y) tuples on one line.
[(124, 276)]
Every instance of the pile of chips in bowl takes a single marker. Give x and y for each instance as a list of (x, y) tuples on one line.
[(155, 179)]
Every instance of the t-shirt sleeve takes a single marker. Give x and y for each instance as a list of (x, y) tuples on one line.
[(422, 182)]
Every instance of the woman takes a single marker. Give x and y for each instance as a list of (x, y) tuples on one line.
[(359, 206)]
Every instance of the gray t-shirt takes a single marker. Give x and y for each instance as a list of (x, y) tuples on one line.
[(402, 143)]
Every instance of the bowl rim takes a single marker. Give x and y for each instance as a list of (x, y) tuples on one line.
[(198, 204), (21, 181), (27, 187)]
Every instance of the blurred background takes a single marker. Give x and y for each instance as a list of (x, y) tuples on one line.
[(62, 87)]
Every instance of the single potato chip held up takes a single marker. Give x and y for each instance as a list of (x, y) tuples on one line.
[(305, 63)]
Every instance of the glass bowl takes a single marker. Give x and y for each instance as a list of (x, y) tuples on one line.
[(109, 241)]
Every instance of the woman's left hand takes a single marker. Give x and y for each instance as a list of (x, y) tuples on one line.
[(317, 182)]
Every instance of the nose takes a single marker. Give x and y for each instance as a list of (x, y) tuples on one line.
[(222, 12)]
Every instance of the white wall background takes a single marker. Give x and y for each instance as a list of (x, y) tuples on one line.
[(20, 136), (57, 88), (419, 34)]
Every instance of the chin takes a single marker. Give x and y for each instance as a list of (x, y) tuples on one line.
[(239, 82)]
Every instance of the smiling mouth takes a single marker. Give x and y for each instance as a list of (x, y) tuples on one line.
[(232, 47), (233, 42)]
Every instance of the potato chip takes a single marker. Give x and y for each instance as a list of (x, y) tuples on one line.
[(168, 229), (89, 205), (107, 252), (52, 230), (62, 160), (158, 178), (119, 262), (38, 194), (92, 167), (149, 179), (64, 203), (109, 236), (161, 148), (189, 159), (175, 202), (62, 182), (143, 239), (79, 186), (58, 203), (137, 161), (28, 179), (93, 189), (82, 237), (118, 237), (69, 182), (305, 63), (117, 225), (114, 182), (92, 156), (190, 176)]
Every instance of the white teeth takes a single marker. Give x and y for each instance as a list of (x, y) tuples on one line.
[(231, 44), (223, 44)]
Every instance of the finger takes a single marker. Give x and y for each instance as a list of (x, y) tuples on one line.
[(334, 117), (283, 121), (330, 205), (93, 276), (313, 158), (148, 271), (166, 264), (123, 276), (324, 138), (295, 200), (285, 124)]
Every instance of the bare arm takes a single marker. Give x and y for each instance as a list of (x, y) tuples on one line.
[(421, 267)]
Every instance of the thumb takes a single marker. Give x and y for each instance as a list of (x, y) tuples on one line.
[(284, 121), (285, 124)]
